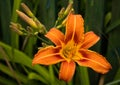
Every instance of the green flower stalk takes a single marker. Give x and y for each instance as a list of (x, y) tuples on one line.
[(60, 22)]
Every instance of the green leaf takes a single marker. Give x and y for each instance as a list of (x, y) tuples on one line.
[(113, 26), (47, 13), (5, 13), (113, 32), (113, 82), (116, 79), (21, 58), (117, 75), (84, 76), (107, 18), (6, 70), (5, 81), (35, 76), (94, 19)]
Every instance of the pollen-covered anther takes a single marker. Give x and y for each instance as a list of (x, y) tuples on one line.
[(69, 51)]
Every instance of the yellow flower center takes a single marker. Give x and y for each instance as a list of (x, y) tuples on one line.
[(69, 51)]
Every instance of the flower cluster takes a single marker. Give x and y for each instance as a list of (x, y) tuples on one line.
[(70, 48)]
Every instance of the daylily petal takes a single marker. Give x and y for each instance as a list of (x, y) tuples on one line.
[(95, 61), (90, 39), (55, 36), (67, 70), (47, 56), (74, 28)]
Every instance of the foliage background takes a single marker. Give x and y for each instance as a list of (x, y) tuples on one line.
[(101, 16)]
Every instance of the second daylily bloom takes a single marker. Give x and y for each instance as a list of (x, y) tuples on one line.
[(70, 48)]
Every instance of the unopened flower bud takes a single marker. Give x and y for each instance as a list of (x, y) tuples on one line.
[(27, 10), (27, 19), (68, 9), (16, 28), (60, 14)]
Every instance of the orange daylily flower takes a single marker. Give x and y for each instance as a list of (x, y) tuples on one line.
[(70, 48)]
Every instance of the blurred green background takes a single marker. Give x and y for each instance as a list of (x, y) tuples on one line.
[(101, 16)]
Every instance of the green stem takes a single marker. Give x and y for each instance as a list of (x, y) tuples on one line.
[(14, 36), (43, 40), (25, 42), (70, 83), (52, 77), (84, 76)]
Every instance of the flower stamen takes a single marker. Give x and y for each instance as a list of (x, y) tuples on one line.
[(69, 50)]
